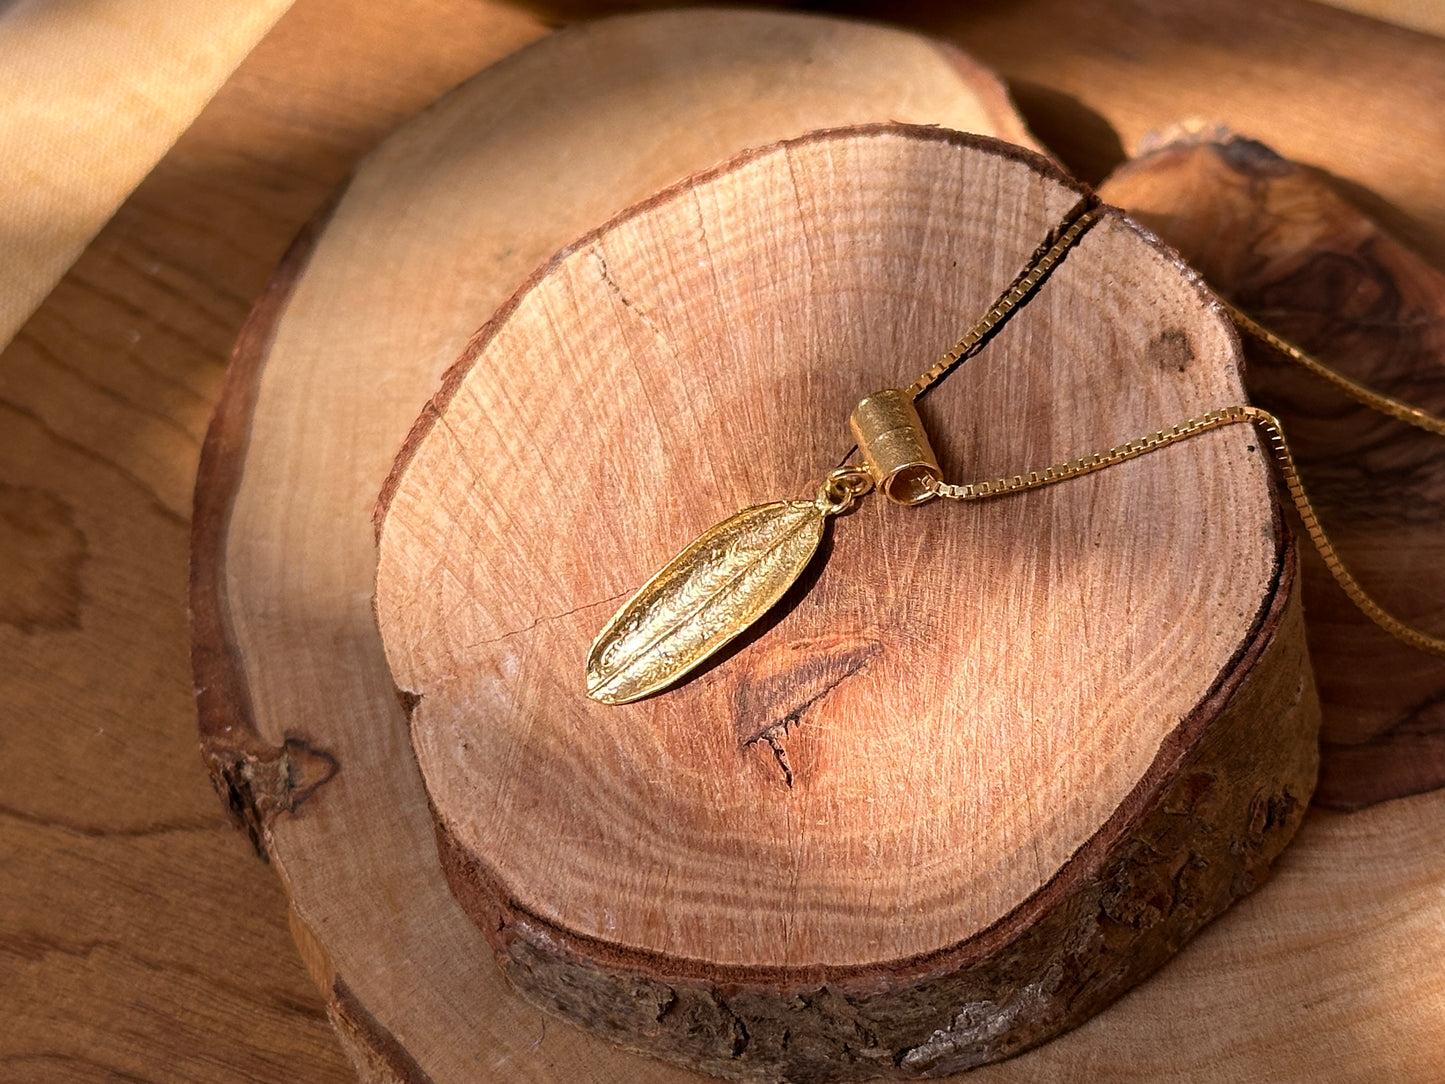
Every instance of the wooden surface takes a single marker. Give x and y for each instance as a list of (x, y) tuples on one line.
[(1426, 15), (656, 853), (121, 943), (139, 935)]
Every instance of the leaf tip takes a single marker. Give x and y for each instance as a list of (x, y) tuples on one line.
[(599, 684), (604, 676)]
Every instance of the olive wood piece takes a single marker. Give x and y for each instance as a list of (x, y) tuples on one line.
[(992, 767), (1280, 241)]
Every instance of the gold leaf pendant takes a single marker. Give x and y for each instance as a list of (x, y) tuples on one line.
[(708, 594)]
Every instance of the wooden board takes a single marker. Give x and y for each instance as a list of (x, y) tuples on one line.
[(1322, 88), (111, 836), (68, 157), (139, 936)]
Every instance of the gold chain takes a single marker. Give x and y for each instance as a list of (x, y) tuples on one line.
[(1073, 227), (1374, 400), (1215, 419), (1044, 259), (1062, 472)]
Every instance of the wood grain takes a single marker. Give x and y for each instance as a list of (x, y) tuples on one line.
[(1278, 240), (68, 157), (1417, 14), (1318, 85), (1092, 77)]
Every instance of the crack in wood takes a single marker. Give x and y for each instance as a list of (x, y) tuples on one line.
[(805, 673), (547, 619)]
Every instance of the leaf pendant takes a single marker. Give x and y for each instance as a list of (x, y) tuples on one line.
[(704, 597)]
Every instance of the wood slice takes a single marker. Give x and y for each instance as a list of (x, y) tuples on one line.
[(993, 766), (300, 725), (1278, 239)]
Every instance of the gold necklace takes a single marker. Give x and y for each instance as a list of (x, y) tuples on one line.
[(736, 570)]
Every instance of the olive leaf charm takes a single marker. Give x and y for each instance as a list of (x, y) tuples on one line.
[(708, 594)]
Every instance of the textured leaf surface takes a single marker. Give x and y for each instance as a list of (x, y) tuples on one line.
[(704, 597)]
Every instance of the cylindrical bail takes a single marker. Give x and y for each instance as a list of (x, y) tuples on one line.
[(895, 447)]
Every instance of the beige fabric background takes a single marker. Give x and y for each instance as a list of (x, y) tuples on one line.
[(92, 94)]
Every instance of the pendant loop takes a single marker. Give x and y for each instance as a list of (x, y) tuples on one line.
[(841, 490)]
